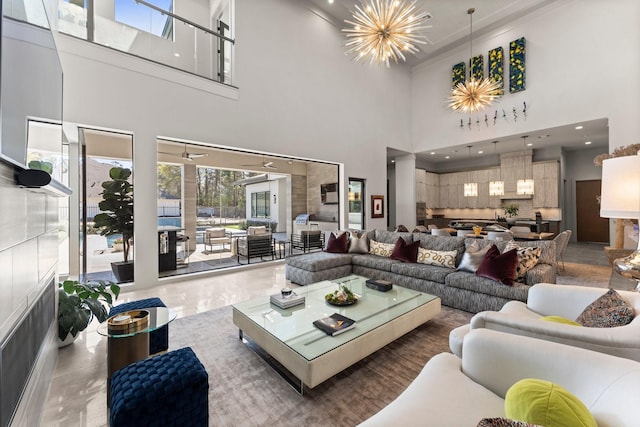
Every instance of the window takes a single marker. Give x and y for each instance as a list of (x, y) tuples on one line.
[(146, 18), (260, 205)]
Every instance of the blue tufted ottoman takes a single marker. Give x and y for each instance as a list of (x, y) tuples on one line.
[(158, 339), (170, 389)]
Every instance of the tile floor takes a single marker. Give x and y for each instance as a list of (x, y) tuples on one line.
[(77, 394)]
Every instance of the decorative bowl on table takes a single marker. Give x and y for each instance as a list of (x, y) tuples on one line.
[(342, 296)]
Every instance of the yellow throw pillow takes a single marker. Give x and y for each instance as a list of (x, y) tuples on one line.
[(542, 402), (560, 319)]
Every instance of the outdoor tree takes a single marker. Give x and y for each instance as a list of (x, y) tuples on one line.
[(170, 179)]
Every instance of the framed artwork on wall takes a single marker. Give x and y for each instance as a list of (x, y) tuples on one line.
[(377, 206)]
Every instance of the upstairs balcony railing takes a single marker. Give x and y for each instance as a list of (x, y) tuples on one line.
[(147, 30)]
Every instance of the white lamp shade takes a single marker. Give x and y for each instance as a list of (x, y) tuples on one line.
[(620, 196)]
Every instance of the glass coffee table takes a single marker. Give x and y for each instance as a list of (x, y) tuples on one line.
[(311, 356)]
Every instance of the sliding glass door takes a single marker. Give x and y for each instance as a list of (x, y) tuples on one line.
[(356, 206)]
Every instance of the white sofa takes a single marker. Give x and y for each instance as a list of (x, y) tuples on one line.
[(460, 392), (545, 299)]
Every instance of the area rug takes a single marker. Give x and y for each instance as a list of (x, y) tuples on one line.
[(246, 391)]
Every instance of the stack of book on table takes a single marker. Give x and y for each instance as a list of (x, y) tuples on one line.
[(288, 302), (335, 324)]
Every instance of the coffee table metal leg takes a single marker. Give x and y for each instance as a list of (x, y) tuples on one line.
[(291, 379)]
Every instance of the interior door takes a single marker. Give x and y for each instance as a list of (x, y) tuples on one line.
[(590, 226)]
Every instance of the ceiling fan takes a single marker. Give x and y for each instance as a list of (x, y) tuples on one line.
[(185, 154), (265, 164)]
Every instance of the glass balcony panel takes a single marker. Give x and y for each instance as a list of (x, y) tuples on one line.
[(144, 31)]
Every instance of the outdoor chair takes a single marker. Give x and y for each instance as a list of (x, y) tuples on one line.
[(255, 245), (216, 236), (308, 240)]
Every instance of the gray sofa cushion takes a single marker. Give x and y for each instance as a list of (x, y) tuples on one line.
[(385, 236), (374, 261), (318, 261), (470, 281), (422, 271)]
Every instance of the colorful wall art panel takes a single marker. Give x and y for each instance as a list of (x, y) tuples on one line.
[(477, 67), (496, 67), (517, 70), (458, 74)]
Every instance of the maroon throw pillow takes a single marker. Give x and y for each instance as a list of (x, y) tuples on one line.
[(405, 252), (338, 245), (499, 267)]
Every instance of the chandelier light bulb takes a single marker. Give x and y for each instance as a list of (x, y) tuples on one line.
[(383, 29)]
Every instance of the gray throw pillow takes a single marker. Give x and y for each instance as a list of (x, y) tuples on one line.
[(358, 245), (472, 258)]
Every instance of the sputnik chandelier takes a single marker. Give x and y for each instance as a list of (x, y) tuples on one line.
[(384, 29), (473, 95)]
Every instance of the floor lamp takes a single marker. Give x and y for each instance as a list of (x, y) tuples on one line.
[(620, 198)]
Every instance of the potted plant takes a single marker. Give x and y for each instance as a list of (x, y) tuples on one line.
[(79, 303), (511, 211), (117, 217), (118, 245)]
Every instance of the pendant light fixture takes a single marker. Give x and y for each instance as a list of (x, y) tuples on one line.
[(496, 188), (525, 186), (473, 95), (384, 29)]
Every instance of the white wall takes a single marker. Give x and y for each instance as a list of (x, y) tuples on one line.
[(298, 95), (578, 54)]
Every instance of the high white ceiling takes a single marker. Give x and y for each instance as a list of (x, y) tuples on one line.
[(450, 29), (449, 19)]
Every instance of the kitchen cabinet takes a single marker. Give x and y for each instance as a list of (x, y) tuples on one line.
[(545, 175)]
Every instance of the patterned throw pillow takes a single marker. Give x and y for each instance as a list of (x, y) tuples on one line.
[(608, 311), (527, 258), (439, 258), (380, 249)]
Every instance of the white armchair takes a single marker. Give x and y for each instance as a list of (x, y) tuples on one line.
[(460, 392), (545, 299)]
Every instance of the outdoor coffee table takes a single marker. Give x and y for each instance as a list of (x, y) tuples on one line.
[(309, 355)]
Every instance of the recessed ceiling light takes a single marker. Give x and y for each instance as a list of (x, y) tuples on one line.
[(393, 161), (529, 144), (447, 157), (578, 127), (330, 1), (480, 152), (588, 143), (432, 153), (176, 54)]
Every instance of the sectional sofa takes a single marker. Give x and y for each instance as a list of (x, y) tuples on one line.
[(458, 289)]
